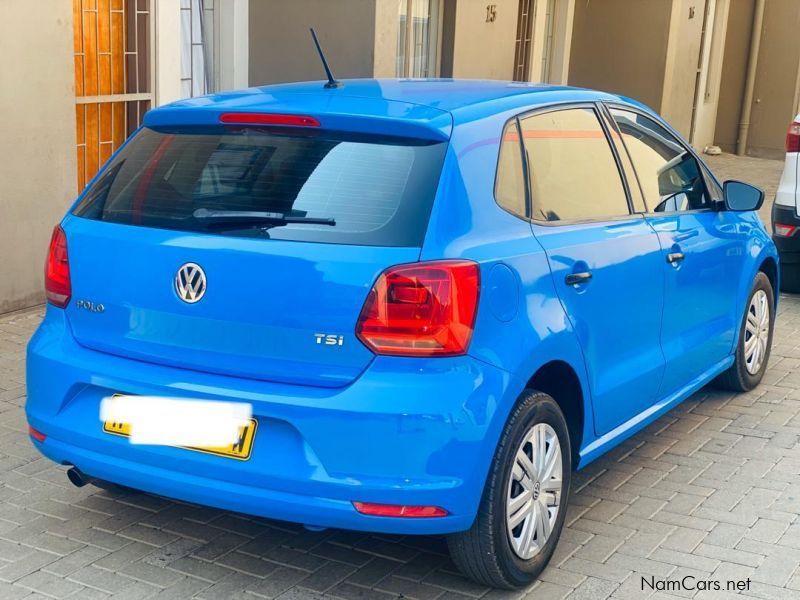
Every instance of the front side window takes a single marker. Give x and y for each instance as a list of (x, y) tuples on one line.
[(571, 168), (669, 175), (305, 186), (510, 185)]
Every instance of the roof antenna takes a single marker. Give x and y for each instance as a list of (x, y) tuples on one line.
[(332, 83)]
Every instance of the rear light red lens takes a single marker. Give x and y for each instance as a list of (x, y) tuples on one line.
[(399, 510), (35, 434), (422, 309), (784, 230), (269, 119), (793, 137), (57, 286)]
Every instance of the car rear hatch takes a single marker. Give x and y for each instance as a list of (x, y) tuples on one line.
[(245, 245)]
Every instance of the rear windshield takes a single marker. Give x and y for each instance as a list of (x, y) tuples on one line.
[(249, 182)]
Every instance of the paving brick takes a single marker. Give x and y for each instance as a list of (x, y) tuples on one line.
[(599, 548), (327, 576), (776, 569), (593, 569), (681, 559), (48, 584), (101, 579), (594, 589), (25, 564), (767, 530), (729, 555), (641, 565)]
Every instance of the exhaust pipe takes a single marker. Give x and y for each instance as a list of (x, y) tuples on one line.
[(77, 478)]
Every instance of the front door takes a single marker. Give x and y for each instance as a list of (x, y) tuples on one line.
[(605, 261), (703, 250)]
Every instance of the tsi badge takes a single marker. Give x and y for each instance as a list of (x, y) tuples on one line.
[(90, 306), (329, 339)]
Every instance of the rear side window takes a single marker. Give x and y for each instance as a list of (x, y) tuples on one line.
[(510, 184), (361, 190), (572, 171), (669, 175)]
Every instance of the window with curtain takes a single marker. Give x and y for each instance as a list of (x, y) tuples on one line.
[(197, 47), (418, 38)]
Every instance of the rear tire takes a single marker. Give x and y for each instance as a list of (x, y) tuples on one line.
[(749, 365), (495, 551)]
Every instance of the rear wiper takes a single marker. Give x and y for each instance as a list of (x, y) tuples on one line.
[(246, 217)]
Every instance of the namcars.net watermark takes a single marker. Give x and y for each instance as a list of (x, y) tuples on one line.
[(691, 583)]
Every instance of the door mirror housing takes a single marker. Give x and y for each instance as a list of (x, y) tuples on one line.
[(740, 196)]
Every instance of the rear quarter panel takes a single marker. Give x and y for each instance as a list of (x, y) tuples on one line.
[(521, 324)]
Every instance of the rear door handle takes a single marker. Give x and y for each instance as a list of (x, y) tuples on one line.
[(675, 257), (578, 278)]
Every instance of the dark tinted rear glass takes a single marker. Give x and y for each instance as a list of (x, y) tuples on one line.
[(379, 191)]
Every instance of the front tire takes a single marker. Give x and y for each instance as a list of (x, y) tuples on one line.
[(524, 501), (755, 339)]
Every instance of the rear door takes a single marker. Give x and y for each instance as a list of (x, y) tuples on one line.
[(246, 251), (703, 249), (605, 261)]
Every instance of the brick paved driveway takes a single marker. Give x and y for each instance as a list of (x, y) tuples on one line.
[(711, 490)]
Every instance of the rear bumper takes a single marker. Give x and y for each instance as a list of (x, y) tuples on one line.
[(408, 431)]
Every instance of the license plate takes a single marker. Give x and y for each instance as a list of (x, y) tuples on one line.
[(239, 450)]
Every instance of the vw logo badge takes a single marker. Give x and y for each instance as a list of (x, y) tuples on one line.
[(190, 283)]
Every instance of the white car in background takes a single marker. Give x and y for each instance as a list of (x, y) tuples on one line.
[(786, 212)]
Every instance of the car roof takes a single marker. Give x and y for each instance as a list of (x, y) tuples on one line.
[(446, 94), (421, 102)]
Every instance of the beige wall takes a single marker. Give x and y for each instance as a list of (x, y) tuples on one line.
[(621, 46), (683, 58), (480, 50), (775, 100), (775, 97), (37, 141), (386, 26), (281, 48), (734, 69)]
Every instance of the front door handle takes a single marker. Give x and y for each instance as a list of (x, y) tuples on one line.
[(578, 278), (675, 257)]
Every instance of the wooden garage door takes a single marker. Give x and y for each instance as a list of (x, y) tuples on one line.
[(113, 76)]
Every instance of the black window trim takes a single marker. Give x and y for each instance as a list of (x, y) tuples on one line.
[(611, 123), (704, 170), (558, 107), (515, 121)]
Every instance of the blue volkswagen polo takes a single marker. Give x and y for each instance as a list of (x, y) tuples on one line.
[(439, 298)]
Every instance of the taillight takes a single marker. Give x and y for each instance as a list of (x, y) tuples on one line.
[(421, 309), (784, 230), (269, 119), (56, 272), (399, 510), (793, 137)]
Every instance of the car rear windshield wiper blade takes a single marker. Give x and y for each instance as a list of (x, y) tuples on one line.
[(227, 217)]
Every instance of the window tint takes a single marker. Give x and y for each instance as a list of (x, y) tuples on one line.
[(572, 171), (510, 186), (669, 175), (378, 191)]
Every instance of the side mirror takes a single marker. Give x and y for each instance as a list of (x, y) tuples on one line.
[(740, 196)]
